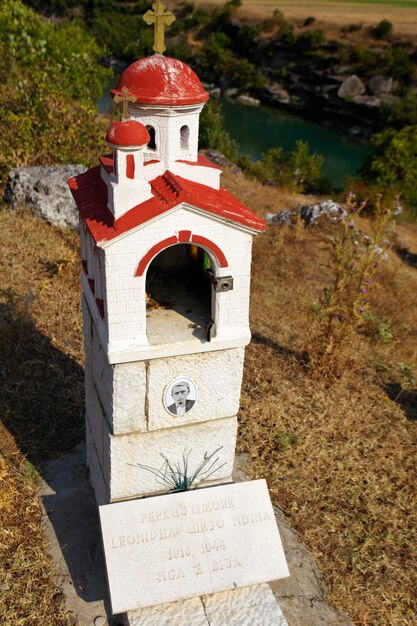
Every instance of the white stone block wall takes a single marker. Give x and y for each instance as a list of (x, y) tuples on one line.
[(167, 122), (130, 395), (127, 423)]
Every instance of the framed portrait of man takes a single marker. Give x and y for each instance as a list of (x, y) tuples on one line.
[(180, 396)]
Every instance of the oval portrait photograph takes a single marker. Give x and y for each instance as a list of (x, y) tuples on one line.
[(180, 396)]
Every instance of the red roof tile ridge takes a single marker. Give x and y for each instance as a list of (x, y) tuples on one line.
[(172, 183)]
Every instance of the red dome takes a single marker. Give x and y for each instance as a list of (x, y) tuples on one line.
[(129, 133), (162, 80)]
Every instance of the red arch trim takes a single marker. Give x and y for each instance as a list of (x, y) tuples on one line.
[(203, 241), (183, 236)]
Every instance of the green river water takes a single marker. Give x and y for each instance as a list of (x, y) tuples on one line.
[(256, 129)]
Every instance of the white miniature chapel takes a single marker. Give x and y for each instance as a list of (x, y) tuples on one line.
[(166, 258)]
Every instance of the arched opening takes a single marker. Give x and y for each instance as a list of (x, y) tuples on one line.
[(178, 292), (152, 138), (185, 137)]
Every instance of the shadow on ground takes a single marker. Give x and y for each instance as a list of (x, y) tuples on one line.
[(42, 403), (405, 255), (41, 390), (405, 398), (259, 339)]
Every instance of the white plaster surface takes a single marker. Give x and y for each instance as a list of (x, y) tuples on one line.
[(217, 375), (122, 454), (190, 544)]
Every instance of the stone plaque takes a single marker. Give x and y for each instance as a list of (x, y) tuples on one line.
[(180, 545)]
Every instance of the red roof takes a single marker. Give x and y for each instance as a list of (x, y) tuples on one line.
[(162, 80), (127, 133), (90, 194)]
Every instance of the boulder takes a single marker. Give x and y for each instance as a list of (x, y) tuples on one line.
[(232, 92), (309, 213), (248, 100), (221, 160), (43, 191), (371, 102), (351, 87), (379, 85), (276, 93)]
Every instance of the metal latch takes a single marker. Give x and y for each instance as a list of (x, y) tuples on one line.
[(221, 283)]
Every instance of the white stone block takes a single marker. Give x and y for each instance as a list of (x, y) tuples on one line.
[(217, 376), (95, 417), (95, 471), (87, 330), (186, 613), (123, 453), (129, 397), (184, 545), (251, 606)]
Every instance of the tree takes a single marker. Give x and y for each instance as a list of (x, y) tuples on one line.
[(392, 165), (50, 79)]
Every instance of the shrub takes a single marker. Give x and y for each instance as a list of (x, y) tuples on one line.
[(279, 18), (212, 133), (401, 112), (343, 304), (215, 56), (392, 165), (309, 20), (383, 29), (398, 64), (298, 170), (246, 75), (364, 59), (50, 79), (311, 38)]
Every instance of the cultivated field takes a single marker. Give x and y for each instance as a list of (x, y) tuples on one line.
[(402, 13)]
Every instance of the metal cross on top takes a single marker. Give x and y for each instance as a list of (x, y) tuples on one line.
[(161, 18), (125, 98)]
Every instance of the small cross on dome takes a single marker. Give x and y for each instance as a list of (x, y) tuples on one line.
[(161, 18), (125, 98)]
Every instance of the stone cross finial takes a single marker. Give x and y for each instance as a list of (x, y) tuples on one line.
[(161, 18), (125, 99)]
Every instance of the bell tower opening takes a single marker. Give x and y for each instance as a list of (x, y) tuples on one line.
[(152, 138), (178, 295), (185, 137)]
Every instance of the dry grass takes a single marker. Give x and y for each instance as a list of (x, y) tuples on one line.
[(28, 596), (333, 14), (338, 458)]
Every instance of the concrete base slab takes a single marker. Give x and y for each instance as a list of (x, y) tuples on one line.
[(73, 532), (250, 606)]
